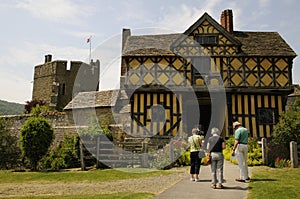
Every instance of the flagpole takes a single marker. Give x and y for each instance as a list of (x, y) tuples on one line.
[(90, 48)]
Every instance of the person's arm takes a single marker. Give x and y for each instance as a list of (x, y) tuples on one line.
[(236, 142), (201, 141), (223, 145), (208, 146)]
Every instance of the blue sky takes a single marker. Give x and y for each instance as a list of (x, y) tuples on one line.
[(33, 28)]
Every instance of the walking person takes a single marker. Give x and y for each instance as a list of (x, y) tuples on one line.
[(240, 149), (195, 142), (215, 146)]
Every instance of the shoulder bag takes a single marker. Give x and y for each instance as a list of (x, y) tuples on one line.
[(201, 153)]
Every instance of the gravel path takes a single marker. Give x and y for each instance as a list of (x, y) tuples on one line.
[(153, 185)]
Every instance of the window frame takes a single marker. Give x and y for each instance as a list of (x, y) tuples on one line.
[(263, 116), (204, 40)]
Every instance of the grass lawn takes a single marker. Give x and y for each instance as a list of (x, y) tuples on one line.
[(11, 180), (78, 176), (274, 183)]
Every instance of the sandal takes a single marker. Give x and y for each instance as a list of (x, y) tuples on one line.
[(213, 186), (220, 186)]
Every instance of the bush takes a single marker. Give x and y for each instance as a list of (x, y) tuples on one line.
[(10, 152), (64, 155), (33, 103), (280, 163), (95, 130), (35, 138), (254, 152), (276, 151), (162, 159)]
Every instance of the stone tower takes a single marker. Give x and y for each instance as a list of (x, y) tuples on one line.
[(57, 85)]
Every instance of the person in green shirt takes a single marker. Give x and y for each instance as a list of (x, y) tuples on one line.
[(240, 149), (195, 142)]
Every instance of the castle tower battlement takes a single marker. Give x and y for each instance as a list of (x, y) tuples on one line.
[(55, 84)]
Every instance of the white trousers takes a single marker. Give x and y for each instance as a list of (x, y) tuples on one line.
[(242, 156)]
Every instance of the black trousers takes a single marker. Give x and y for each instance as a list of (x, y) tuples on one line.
[(195, 163)]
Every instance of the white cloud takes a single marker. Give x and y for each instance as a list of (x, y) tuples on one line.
[(62, 11)]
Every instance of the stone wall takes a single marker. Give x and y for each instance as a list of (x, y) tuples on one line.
[(59, 121), (63, 122)]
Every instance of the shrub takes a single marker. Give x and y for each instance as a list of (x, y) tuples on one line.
[(162, 158), (10, 152), (288, 129), (280, 163), (95, 130), (33, 103), (64, 155), (254, 152), (35, 138), (276, 151)]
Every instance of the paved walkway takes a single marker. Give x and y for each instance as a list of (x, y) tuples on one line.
[(189, 189)]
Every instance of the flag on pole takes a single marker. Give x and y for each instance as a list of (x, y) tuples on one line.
[(88, 40)]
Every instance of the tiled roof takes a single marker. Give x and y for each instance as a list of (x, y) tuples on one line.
[(252, 44), (93, 99), (150, 44), (263, 44)]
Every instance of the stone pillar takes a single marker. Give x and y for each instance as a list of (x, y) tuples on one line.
[(264, 151), (294, 154)]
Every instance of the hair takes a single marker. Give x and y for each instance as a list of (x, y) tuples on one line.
[(194, 130), (215, 131), (236, 124)]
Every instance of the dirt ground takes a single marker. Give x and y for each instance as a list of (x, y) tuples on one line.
[(153, 185)]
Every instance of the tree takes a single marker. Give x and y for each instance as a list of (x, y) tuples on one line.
[(289, 127), (9, 150), (33, 103), (35, 138)]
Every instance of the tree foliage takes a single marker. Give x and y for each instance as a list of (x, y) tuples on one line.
[(9, 150), (33, 103), (65, 155), (288, 129), (35, 138)]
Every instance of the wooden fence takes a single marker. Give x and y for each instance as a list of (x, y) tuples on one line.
[(129, 153)]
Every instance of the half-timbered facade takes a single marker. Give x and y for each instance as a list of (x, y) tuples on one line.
[(227, 75)]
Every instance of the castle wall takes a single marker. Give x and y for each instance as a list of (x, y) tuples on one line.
[(55, 84)]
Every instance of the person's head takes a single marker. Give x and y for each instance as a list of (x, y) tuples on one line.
[(236, 125), (194, 131), (215, 131)]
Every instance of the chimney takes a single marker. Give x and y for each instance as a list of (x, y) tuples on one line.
[(48, 58), (227, 20), (125, 35)]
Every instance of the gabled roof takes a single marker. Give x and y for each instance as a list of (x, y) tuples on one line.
[(207, 17), (93, 99), (251, 43)]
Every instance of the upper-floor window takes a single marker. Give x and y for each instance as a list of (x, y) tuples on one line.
[(201, 65), (206, 39), (63, 89)]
